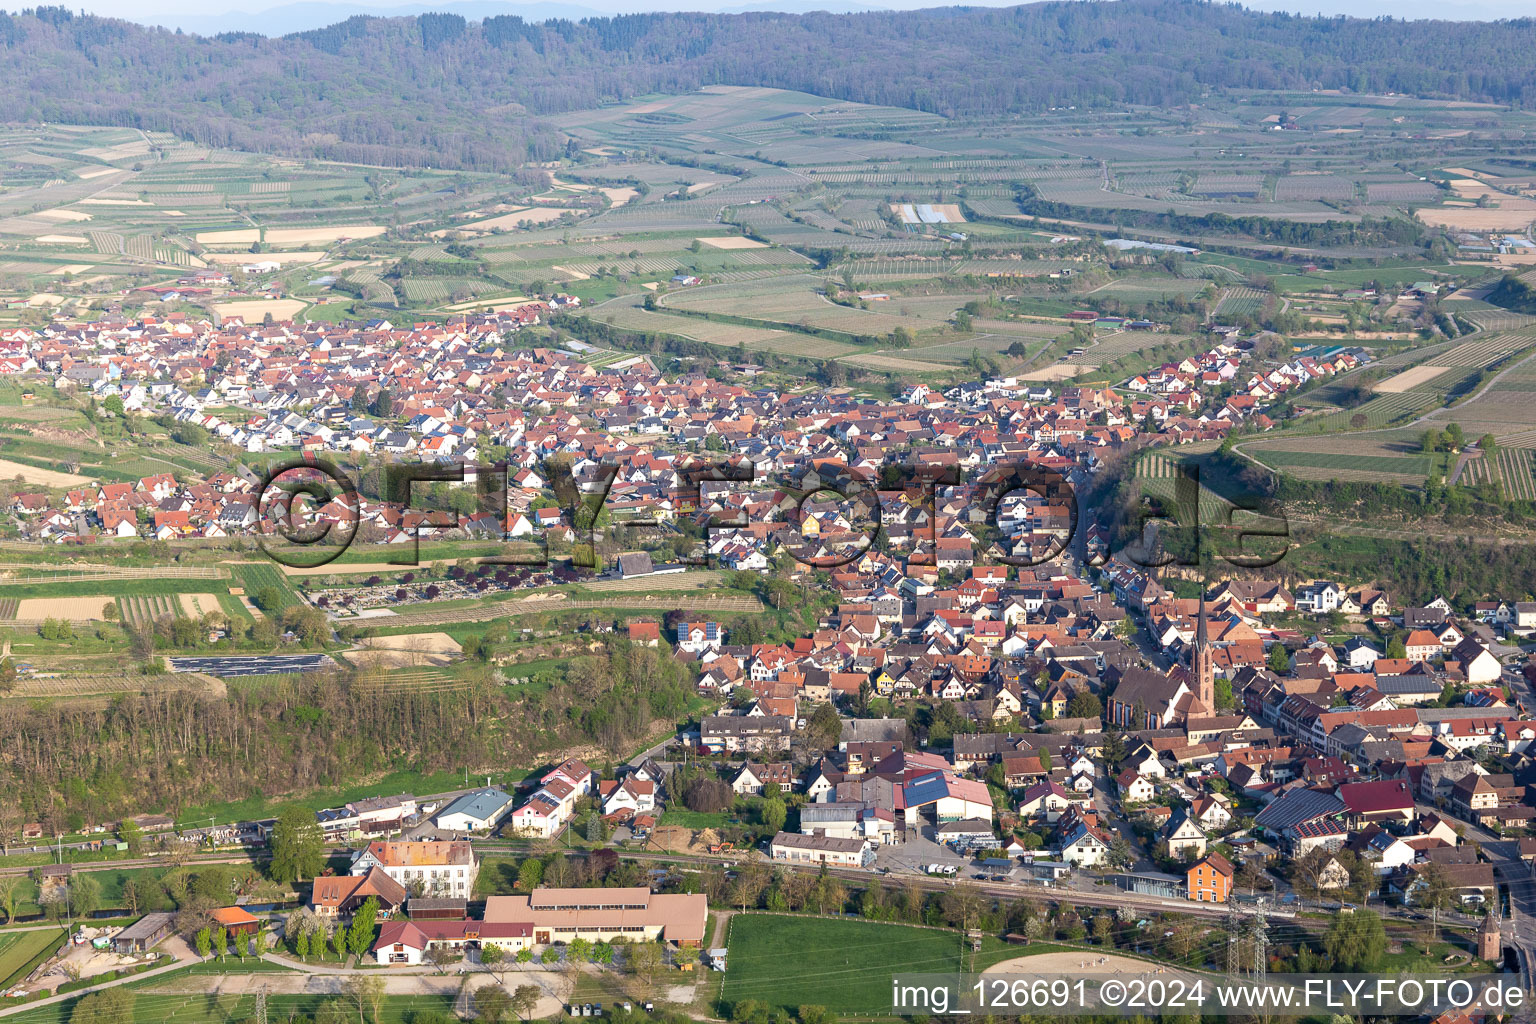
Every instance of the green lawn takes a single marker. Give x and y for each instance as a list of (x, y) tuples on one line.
[(165, 1008), (693, 819), (845, 965), (19, 949)]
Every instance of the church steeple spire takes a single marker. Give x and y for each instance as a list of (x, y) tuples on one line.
[(1201, 665)]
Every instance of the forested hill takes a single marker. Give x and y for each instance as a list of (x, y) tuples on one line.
[(437, 89)]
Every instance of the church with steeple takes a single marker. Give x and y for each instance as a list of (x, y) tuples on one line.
[(1148, 699)]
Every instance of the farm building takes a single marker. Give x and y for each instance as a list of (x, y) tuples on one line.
[(341, 895), (144, 934), (406, 942), (236, 921)]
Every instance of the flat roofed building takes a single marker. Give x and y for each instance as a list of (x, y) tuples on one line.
[(560, 915)]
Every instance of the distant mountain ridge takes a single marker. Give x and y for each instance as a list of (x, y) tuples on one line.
[(307, 15), (440, 89)]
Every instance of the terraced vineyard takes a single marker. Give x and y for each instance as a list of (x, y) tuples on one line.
[(142, 609), (1158, 474), (1511, 468)]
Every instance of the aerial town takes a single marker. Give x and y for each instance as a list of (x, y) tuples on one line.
[(766, 518)]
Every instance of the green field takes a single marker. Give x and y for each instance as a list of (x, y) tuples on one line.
[(153, 1007), (19, 949), (844, 965), (254, 576)]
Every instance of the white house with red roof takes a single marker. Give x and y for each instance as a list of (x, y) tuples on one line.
[(546, 812)]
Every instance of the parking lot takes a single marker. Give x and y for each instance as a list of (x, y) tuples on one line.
[(252, 665)]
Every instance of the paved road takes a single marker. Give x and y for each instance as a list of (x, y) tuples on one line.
[(178, 961)]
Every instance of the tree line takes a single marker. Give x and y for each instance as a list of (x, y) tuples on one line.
[(67, 764), (439, 90)]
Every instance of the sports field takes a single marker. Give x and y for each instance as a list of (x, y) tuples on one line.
[(844, 965)]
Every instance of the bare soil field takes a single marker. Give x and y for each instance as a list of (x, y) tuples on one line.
[(732, 242), (406, 650), (235, 237), (504, 302), (1412, 378), (67, 215), (41, 477), (304, 236), (879, 362), (254, 312), (1061, 371), (266, 257), (1511, 215), (63, 239), (62, 607), (195, 606), (539, 215), (1089, 963)]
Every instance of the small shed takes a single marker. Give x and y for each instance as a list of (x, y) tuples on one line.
[(236, 921), (144, 934)]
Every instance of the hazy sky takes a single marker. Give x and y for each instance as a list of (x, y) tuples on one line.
[(215, 15)]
